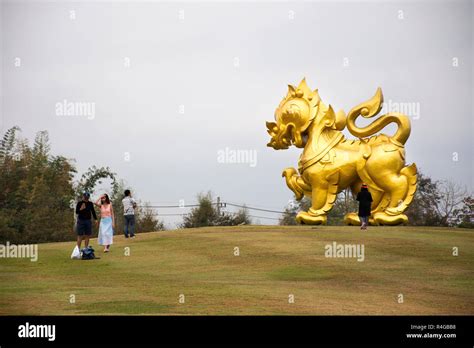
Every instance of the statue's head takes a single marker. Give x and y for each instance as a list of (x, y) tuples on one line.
[(301, 108), (293, 117)]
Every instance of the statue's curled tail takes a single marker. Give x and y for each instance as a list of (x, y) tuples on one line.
[(369, 109)]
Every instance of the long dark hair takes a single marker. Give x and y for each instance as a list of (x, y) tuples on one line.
[(107, 199)]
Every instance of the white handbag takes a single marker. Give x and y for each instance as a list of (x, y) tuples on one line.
[(76, 253)]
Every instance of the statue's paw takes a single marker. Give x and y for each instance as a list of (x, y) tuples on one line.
[(309, 219), (352, 219), (383, 218), (393, 211), (291, 175), (314, 212)]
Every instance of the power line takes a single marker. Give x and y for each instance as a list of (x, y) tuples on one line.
[(252, 216), (264, 217), (253, 208), (229, 212), (219, 205), (169, 214), (174, 206)]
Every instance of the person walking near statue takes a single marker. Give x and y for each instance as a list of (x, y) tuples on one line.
[(129, 205), (365, 199)]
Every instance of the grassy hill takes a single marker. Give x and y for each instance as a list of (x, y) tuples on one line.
[(274, 262)]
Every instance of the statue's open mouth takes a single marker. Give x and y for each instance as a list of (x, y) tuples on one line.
[(284, 136)]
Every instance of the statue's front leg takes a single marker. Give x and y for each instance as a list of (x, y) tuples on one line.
[(323, 196), (295, 183)]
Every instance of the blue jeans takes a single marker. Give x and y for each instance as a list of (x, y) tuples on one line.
[(364, 219), (129, 225)]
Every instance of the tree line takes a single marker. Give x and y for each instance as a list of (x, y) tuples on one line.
[(38, 192)]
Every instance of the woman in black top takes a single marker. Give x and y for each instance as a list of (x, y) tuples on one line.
[(365, 199)]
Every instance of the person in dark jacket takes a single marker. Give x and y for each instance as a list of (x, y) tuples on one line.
[(85, 210), (365, 199)]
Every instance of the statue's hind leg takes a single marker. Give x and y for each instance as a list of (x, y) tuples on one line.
[(402, 188), (397, 188), (382, 205)]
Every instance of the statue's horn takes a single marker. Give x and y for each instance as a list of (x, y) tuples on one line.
[(291, 91)]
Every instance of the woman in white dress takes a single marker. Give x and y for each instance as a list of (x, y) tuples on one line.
[(107, 222)]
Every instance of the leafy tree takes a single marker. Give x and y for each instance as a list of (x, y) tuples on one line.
[(451, 198), (36, 191), (147, 221), (38, 194), (93, 177), (464, 215), (41, 147), (240, 218), (437, 203), (422, 210), (206, 214), (203, 215)]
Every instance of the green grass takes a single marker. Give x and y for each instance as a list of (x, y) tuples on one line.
[(273, 263)]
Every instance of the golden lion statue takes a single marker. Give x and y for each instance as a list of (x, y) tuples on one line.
[(331, 163)]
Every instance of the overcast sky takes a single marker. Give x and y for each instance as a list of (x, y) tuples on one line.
[(172, 84)]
